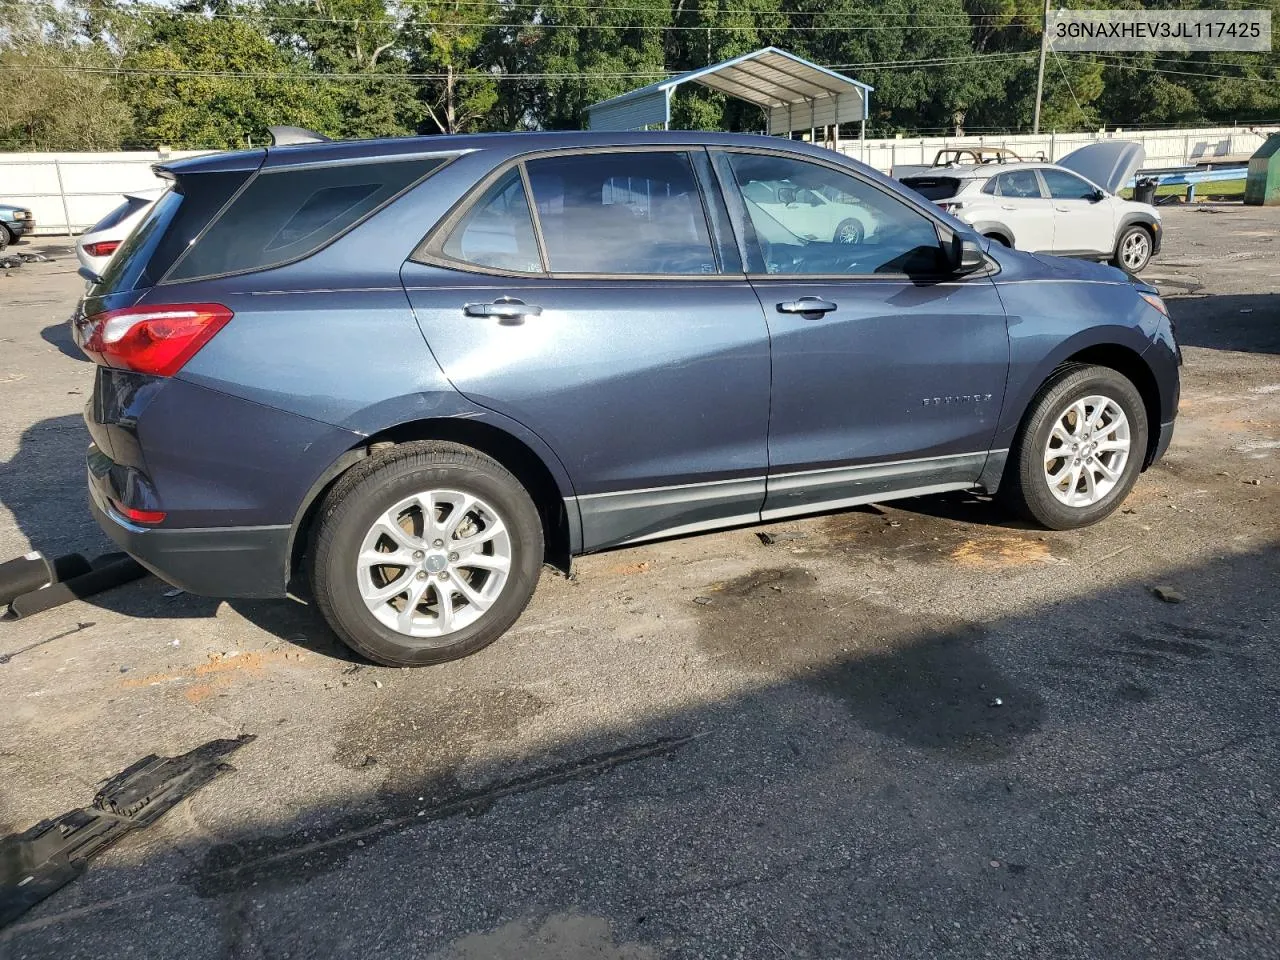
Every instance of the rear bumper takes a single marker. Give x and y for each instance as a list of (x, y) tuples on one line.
[(212, 561)]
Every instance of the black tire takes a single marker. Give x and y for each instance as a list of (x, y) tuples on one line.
[(1026, 489), (1141, 234), (849, 231), (375, 485), (5, 237)]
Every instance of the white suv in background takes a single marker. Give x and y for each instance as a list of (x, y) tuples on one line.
[(1068, 208)]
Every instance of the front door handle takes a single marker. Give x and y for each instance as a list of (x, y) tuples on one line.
[(806, 305), (1063, 209), (506, 309), (1008, 206)]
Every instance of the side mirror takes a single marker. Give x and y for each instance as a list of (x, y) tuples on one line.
[(1097, 195), (969, 256), (963, 254)]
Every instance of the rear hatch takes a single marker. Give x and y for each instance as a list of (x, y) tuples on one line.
[(933, 187), (198, 189)]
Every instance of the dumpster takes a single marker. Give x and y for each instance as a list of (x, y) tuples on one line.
[(1144, 191), (1262, 182)]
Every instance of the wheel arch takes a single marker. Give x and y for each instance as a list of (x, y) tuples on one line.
[(995, 231), (1130, 364), (546, 485)]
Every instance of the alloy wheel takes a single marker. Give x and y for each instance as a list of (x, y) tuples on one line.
[(1134, 250), (1087, 450), (434, 563)]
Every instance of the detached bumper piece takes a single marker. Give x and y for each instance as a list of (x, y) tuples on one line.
[(39, 861)]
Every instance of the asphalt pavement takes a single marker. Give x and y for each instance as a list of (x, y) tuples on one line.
[(914, 730)]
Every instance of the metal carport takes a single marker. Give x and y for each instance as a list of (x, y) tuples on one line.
[(793, 93)]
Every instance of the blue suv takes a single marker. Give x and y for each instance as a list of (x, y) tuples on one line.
[(418, 369)]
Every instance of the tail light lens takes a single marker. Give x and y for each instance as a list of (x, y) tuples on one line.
[(103, 248), (158, 340), (138, 516)]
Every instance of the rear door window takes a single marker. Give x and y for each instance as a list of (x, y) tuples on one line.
[(1019, 184), (629, 213), (497, 230), (289, 213)]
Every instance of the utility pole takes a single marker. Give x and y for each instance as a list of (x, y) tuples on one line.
[(1044, 46)]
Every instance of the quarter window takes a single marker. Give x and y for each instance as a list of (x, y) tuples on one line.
[(289, 213), (621, 213), (1067, 186), (497, 231), (811, 219)]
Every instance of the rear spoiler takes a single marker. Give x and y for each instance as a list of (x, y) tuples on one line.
[(287, 136)]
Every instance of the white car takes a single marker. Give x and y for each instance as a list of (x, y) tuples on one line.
[(813, 214), (97, 244), (1068, 208)]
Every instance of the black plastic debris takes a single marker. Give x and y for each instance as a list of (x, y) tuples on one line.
[(39, 861), (35, 570), (107, 571)]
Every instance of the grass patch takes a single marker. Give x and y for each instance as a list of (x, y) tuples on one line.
[(1210, 189)]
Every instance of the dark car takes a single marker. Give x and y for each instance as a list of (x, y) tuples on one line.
[(418, 369), (15, 223)]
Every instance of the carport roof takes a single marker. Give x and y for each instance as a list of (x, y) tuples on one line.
[(794, 92)]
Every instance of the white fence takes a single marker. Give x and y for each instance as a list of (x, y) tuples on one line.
[(69, 192), (1164, 148)]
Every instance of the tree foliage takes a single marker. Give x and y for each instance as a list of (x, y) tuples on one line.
[(217, 73)]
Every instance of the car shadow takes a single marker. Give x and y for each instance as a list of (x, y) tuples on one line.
[(1249, 323), (59, 335), (43, 487)]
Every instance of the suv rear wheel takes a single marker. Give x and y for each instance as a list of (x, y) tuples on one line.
[(426, 553), (1079, 450)]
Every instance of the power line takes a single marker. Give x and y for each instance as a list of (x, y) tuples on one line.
[(522, 4), (308, 75), (1127, 65)]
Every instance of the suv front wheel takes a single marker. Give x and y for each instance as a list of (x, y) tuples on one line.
[(426, 553), (1079, 449), (1133, 250)]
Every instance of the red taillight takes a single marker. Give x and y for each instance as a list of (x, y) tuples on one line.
[(138, 516), (103, 248), (156, 340)]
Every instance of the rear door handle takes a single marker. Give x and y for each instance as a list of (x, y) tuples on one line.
[(506, 309), (1008, 206), (809, 305)]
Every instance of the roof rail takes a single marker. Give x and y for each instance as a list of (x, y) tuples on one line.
[(287, 136)]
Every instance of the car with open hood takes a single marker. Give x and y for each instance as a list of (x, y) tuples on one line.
[(1071, 208)]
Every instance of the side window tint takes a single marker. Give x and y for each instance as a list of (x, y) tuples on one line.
[(1019, 183), (497, 231), (288, 213), (811, 219), (991, 186), (621, 213), (1066, 186)]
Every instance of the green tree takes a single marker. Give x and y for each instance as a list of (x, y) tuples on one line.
[(447, 48), (46, 60), (217, 82), (362, 42)]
